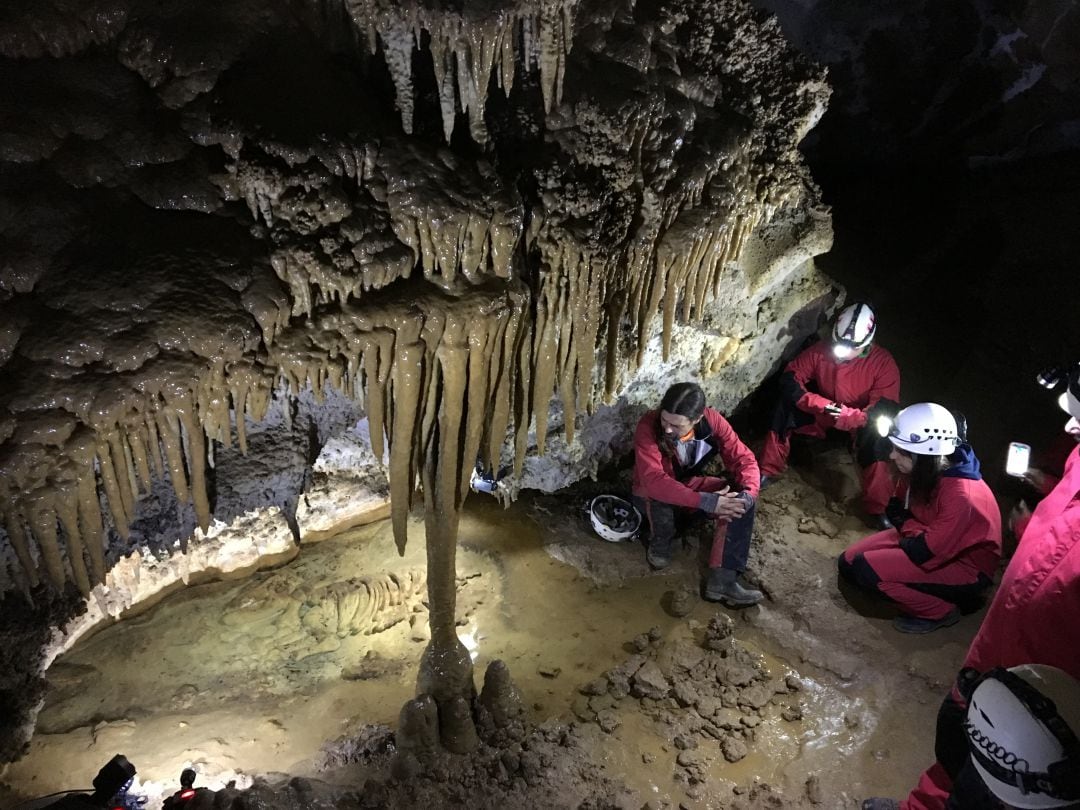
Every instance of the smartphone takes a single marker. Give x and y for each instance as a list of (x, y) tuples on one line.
[(1018, 460)]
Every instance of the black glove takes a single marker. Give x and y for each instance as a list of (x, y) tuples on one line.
[(897, 513)]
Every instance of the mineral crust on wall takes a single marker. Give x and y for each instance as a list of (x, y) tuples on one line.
[(479, 222)]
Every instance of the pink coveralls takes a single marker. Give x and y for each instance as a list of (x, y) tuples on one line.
[(813, 380), (945, 555), (1035, 615)]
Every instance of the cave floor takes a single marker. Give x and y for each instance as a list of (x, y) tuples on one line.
[(256, 676)]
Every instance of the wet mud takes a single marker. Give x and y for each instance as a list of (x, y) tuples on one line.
[(811, 699)]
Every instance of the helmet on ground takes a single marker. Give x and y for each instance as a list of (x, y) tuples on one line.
[(1022, 725), (853, 331), (613, 518), (925, 429)]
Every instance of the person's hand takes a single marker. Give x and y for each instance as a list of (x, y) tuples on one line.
[(726, 505), (1037, 478), (850, 418), (897, 513), (1019, 513)]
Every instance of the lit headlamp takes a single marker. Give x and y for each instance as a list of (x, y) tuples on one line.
[(843, 350), (884, 425), (1051, 377)]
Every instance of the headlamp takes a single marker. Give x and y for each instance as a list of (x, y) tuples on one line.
[(1051, 377), (842, 351), (884, 425)]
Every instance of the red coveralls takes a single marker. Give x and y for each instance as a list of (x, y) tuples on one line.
[(858, 383), (1035, 615), (943, 556), (656, 477)]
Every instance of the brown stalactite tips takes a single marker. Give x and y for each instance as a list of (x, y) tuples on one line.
[(467, 50), (461, 293)]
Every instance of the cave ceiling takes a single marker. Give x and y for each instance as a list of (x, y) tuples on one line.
[(453, 212)]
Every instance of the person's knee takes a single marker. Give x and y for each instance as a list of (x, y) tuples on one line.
[(864, 574)]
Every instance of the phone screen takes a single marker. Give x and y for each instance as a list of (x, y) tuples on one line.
[(1018, 459)]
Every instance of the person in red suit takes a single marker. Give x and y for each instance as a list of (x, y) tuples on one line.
[(1032, 620), (841, 385), (672, 445), (945, 544)]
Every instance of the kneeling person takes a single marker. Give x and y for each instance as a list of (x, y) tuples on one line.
[(946, 540), (671, 446)]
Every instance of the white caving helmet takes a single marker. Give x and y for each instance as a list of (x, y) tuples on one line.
[(1022, 725), (925, 429), (613, 518), (853, 331)]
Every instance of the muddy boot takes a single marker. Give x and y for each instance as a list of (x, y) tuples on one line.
[(913, 624), (723, 586), (659, 555), (880, 804)]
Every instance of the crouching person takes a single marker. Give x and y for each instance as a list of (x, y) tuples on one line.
[(672, 445), (945, 544)]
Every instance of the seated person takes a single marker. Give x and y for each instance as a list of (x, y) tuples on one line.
[(946, 542), (671, 446), (840, 385)]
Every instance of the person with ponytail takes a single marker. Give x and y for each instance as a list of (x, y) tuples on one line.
[(672, 445), (945, 544)]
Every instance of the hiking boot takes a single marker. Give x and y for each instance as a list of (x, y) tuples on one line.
[(911, 624), (658, 558), (880, 804), (766, 480), (723, 586)]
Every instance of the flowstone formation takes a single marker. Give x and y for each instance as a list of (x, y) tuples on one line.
[(464, 216)]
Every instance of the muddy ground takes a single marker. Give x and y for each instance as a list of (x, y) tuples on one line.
[(633, 691)]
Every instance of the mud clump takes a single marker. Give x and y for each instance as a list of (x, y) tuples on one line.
[(710, 692)]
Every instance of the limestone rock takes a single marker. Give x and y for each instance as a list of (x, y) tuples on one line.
[(649, 682), (733, 748)]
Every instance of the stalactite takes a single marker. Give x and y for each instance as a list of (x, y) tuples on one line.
[(67, 506), (408, 382), (14, 525), (523, 395), (545, 353), (112, 489), (184, 407), (469, 50), (90, 523), (136, 440), (43, 525), (169, 430), (113, 447)]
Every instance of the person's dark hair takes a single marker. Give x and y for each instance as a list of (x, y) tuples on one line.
[(684, 399), (925, 474)]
